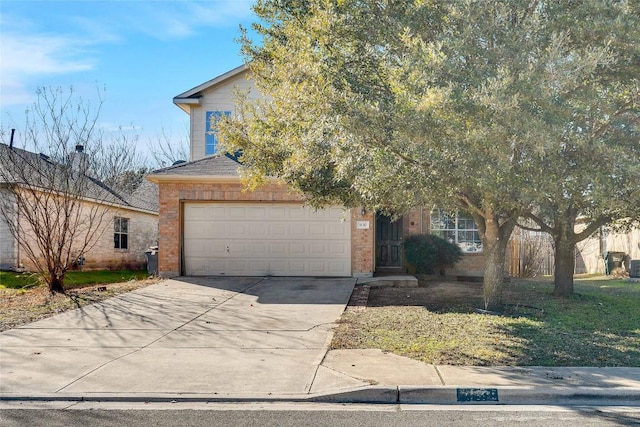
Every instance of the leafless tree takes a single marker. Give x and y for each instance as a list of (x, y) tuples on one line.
[(53, 204), (117, 162), (166, 150)]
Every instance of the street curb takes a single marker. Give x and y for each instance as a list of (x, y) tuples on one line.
[(439, 395), (373, 394), (360, 395), (513, 395)]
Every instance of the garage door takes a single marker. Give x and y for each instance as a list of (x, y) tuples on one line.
[(265, 239)]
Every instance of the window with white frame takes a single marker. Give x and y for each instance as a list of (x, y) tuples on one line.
[(458, 228), (120, 233), (211, 132)]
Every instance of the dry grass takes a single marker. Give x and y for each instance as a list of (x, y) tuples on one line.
[(599, 326), (21, 306)]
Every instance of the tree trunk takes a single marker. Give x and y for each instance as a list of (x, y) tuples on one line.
[(494, 242), (56, 284), (565, 263)]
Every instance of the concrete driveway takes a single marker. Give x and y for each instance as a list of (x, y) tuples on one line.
[(227, 337)]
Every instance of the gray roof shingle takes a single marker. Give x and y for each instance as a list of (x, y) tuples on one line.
[(146, 196), (217, 165), (23, 167)]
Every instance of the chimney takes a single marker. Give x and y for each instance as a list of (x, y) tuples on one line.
[(78, 160), (13, 131)]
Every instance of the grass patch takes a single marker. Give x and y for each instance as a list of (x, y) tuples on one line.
[(73, 279), (12, 280), (598, 326), (29, 304)]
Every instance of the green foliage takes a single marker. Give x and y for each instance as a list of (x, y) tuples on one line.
[(431, 254), (500, 108)]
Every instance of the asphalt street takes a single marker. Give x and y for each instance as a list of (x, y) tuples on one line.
[(264, 415)]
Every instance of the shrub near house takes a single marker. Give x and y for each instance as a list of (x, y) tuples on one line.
[(430, 254)]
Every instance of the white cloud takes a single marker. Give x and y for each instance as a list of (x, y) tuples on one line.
[(223, 12), (29, 54), (180, 19), (42, 54), (25, 57), (96, 30)]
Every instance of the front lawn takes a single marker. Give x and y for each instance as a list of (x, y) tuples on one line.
[(598, 326), (23, 299), (72, 279)]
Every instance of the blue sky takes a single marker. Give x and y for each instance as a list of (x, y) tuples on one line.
[(143, 52)]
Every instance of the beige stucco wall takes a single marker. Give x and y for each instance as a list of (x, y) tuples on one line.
[(589, 252), (219, 98)]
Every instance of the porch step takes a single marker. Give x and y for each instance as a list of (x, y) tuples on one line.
[(394, 281)]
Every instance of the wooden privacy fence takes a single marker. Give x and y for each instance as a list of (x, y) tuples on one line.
[(530, 254)]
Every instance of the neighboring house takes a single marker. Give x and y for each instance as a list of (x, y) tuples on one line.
[(590, 252), (210, 225), (128, 228), (531, 253)]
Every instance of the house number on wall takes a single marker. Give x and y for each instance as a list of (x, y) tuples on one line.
[(362, 225)]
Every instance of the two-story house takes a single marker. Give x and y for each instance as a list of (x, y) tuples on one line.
[(211, 225)]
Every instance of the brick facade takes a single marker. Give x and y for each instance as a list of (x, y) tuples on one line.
[(207, 178), (418, 221), (174, 194), (362, 244), (142, 233)]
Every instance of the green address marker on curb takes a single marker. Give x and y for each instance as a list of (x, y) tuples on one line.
[(477, 394)]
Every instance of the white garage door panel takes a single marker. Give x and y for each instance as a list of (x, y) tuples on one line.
[(262, 239)]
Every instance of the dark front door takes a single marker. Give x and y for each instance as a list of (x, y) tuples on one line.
[(388, 242)]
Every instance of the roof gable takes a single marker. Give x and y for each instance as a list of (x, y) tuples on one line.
[(193, 96)]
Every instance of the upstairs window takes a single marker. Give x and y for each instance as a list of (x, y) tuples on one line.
[(456, 228), (121, 233), (211, 137)]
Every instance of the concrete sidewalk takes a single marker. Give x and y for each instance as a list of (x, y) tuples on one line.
[(256, 339), (415, 382)]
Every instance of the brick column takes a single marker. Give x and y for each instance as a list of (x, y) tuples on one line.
[(362, 243)]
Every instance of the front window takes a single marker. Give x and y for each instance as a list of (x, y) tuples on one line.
[(456, 228), (121, 233), (211, 133)]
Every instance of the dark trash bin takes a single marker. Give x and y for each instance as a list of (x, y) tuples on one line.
[(152, 260), (634, 268), (613, 260)]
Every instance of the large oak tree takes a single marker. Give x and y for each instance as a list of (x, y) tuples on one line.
[(395, 104), (589, 176)]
